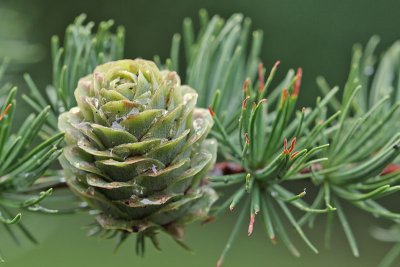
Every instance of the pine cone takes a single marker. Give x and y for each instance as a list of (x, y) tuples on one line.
[(137, 150)]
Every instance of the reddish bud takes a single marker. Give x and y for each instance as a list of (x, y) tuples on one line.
[(208, 220), (292, 145), (246, 85), (285, 94), (262, 101), (261, 77), (390, 169), (285, 151), (294, 154), (276, 64), (245, 102), (297, 82), (219, 262), (246, 138), (211, 111), (225, 168), (5, 111), (251, 224)]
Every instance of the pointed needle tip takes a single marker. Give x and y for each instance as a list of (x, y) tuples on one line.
[(251, 224)]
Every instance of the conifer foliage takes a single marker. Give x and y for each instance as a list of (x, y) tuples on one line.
[(139, 147)]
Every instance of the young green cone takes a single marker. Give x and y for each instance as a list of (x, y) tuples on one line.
[(137, 149)]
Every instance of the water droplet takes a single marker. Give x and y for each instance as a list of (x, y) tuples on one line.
[(154, 169), (115, 125), (96, 103), (146, 201), (133, 111), (198, 124)]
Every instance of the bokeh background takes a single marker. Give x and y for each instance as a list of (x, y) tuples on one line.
[(315, 34)]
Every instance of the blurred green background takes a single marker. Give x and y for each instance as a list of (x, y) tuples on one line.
[(314, 34)]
